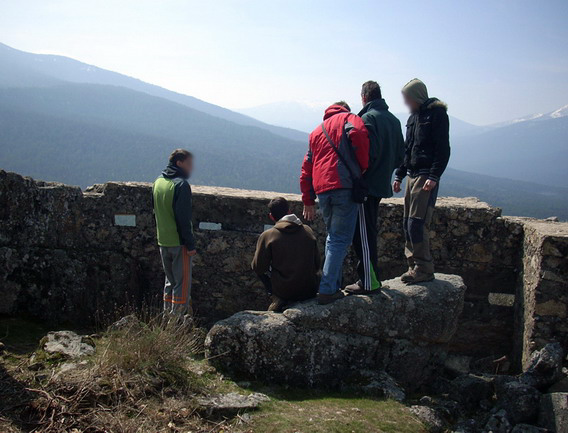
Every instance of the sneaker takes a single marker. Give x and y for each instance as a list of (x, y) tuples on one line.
[(277, 305), (416, 276), (324, 299)]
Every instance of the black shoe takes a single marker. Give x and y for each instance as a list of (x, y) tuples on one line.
[(324, 299)]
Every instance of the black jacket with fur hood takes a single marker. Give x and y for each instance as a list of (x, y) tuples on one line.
[(427, 142)]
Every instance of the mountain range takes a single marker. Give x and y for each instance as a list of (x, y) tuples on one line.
[(67, 121), (532, 148)]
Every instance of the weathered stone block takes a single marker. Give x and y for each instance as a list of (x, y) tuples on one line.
[(322, 345), (553, 413)]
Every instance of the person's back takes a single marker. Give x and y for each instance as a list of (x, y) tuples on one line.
[(329, 172), (172, 199), (387, 147), (295, 259), (426, 158), (287, 258), (386, 151), (337, 157)]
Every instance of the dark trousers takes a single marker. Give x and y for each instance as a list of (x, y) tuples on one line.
[(308, 294), (365, 243), (265, 278)]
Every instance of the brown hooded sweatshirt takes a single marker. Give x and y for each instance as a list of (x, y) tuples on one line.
[(289, 252)]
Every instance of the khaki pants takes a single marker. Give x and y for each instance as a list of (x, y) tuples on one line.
[(418, 211)]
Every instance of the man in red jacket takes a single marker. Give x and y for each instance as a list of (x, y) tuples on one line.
[(326, 176)]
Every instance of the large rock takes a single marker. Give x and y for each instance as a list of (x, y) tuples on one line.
[(231, 404), (471, 389), (544, 367), (402, 331), (68, 343), (553, 413), (519, 400), (430, 417), (498, 423), (374, 383)]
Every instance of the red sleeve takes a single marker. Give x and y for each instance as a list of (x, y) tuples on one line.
[(360, 141), (306, 183)]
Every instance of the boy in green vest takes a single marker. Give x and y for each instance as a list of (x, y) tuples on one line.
[(172, 208)]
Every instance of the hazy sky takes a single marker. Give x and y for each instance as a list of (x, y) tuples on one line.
[(489, 60)]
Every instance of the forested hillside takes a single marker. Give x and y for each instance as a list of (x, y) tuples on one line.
[(81, 134), (55, 124)]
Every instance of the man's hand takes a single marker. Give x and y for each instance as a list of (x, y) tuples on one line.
[(192, 253), (429, 185), (396, 186), (309, 212)]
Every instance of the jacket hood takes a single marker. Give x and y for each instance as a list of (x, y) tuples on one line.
[(416, 90), (334, 109), (375, 104), (288, 224), (434, 103), (172, 171)]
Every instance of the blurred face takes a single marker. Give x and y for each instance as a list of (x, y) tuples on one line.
[(410, 103), (186, 165), (363, 100)]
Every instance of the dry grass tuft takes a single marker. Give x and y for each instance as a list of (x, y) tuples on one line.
[(154, 352), (140, 380)]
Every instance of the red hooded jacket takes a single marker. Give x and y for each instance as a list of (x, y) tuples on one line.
[(322, 169)]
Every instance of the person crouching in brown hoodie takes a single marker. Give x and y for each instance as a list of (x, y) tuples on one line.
[(287, 259)]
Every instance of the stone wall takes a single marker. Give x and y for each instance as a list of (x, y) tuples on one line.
[(64, 258), (543, 293)]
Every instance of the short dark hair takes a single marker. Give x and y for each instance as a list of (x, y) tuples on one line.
[(180, 155), (371, 91), (279, 207), (343, 104)]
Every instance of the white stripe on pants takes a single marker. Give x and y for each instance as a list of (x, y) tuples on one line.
[(366, 259)]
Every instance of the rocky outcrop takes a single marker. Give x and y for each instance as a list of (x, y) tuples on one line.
[(68, 343), (229, 405), (519, 400), (544, 366), (403, 331)]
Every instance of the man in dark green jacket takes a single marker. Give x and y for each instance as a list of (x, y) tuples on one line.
[(386, 154), (172, 199)]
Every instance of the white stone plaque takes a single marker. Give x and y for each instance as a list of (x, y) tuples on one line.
[(209, 226), (125, 220)]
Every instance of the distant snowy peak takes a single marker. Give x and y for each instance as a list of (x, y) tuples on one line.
[(561, 112), (526, 118)]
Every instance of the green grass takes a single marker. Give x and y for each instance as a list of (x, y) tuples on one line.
[(317, 412), (147, 378)]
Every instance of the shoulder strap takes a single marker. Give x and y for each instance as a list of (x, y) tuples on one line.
[(334, 147)]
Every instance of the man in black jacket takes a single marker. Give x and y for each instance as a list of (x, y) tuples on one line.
[(426, 157)]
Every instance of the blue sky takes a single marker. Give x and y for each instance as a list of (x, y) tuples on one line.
[(489, 60)]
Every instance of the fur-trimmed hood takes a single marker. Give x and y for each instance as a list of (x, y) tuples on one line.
[(434, 103)]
